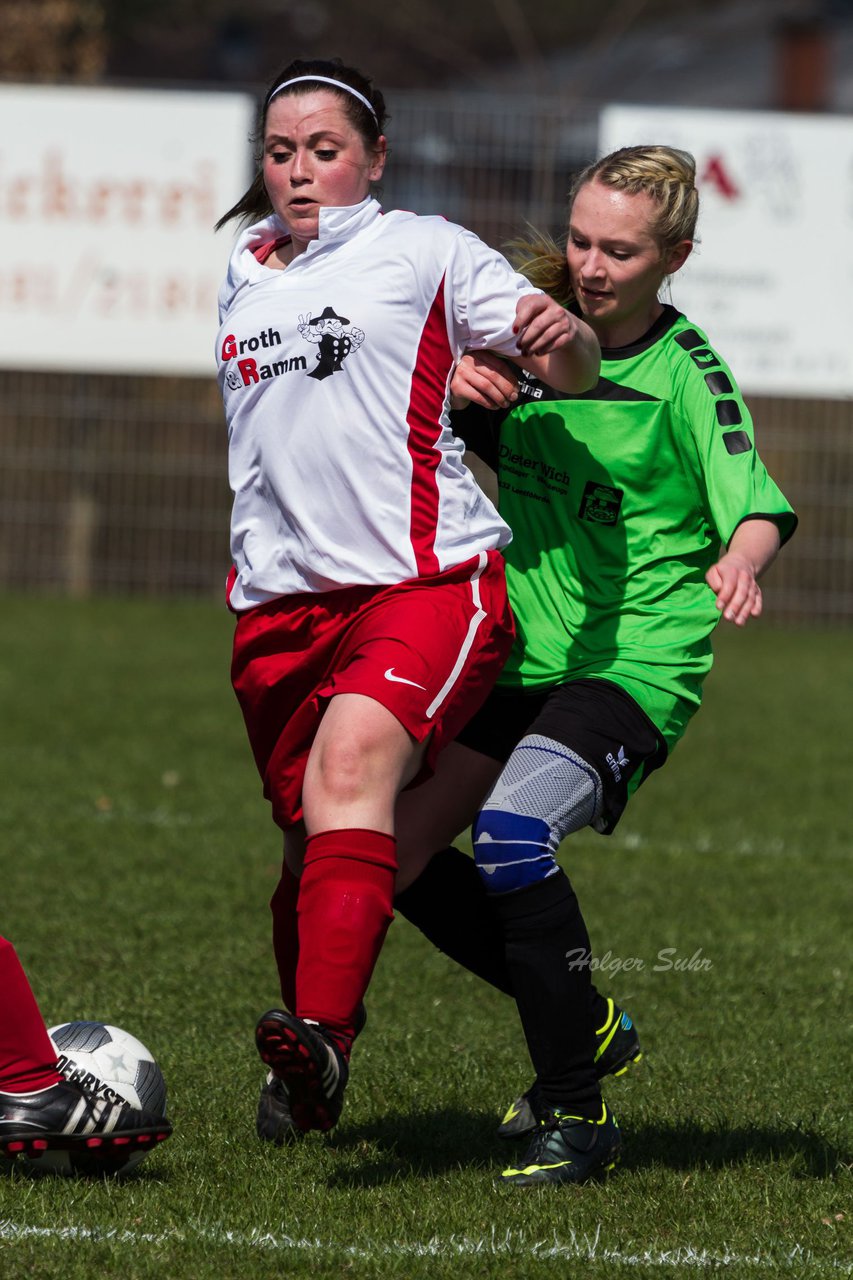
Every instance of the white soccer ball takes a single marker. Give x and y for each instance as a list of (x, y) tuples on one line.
[(112, 1064)]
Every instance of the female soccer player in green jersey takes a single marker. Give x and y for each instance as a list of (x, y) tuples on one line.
[(619, 500)]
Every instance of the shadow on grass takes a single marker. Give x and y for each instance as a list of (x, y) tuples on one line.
[(424, 1143), (21, 1170), (693, 1146), (427, 1144)]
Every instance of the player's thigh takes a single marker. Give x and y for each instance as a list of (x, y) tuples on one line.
[(430, 816)]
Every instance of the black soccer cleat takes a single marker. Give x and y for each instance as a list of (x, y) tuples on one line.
[(522, 1115), (275, 1119), (617, 1047), (567, 1149), (306, 1060), (68, 1117)]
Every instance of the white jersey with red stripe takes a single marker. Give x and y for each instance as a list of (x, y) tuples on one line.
[(335, 377)]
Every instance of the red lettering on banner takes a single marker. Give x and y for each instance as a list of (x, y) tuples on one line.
[(18, 197), (174, 295), (100, 201), (715, 174), (173, 198), (57, 193), (134, 197), (50, 190)]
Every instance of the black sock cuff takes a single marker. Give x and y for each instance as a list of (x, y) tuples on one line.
[(535, 899), (430, 880)]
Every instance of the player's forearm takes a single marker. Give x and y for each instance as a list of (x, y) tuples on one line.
[(573, 367), (757, 541)]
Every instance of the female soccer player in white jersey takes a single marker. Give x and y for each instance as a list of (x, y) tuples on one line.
[(619, 500), (367, 578)]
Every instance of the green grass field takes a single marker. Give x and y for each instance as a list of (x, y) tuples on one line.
[(137, 858)]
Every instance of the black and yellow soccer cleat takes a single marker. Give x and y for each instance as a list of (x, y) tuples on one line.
[(567, 1149), (617, 1048), (617, 1045)]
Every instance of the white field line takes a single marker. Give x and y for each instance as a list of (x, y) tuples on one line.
[(587, 1248)]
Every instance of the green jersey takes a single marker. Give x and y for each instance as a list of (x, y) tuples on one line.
[(618, 500)]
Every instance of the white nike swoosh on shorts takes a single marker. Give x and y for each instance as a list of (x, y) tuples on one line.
[(389, 675)]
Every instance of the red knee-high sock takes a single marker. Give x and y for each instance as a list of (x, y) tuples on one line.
[(345, 909), (27, 1057), (285, 933)]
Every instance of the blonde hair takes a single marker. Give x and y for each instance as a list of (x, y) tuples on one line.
[(666, 174), (542, 260)]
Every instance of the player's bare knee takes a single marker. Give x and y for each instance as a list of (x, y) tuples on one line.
[(338, 771)]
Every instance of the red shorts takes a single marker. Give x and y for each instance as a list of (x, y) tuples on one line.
[(428, 649)]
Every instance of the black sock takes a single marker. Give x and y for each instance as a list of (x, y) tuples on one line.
[(598, 1006), (449, 905), (547, 951)]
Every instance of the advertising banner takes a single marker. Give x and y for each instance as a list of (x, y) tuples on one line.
[(771, 278), (108, 258)]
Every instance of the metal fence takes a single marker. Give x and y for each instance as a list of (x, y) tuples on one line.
[(118, 484)]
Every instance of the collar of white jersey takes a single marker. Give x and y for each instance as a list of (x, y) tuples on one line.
[(339, 224)]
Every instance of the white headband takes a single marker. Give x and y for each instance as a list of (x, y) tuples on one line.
[(339, 84)]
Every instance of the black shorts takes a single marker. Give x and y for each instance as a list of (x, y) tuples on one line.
[(595, 719)]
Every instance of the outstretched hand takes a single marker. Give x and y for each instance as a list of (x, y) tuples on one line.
[(732, 579)]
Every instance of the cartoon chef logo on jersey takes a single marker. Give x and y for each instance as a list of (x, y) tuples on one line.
[(600, 504), (333, 341)]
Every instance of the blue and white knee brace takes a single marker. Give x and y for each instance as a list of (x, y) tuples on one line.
[(544, 793)]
